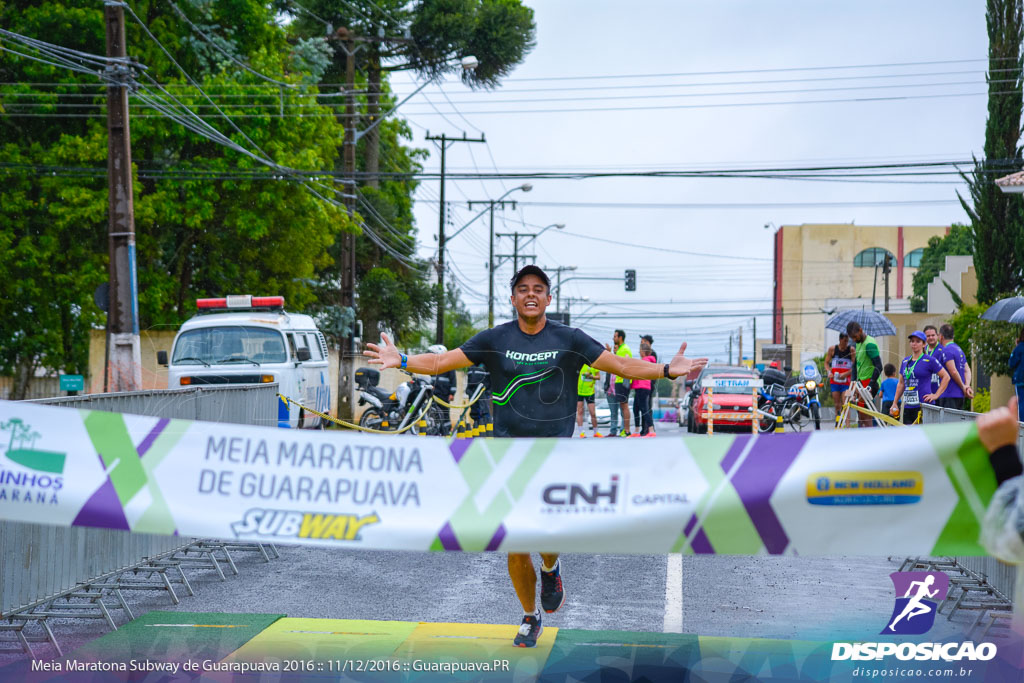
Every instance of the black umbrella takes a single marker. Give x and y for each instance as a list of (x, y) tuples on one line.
[(875, 324), (1004, 309)]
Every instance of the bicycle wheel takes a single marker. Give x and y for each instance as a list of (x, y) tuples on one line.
[(796, 415)]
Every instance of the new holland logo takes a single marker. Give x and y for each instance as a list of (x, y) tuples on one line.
[(24, 452), (865, 488), (295, 524)]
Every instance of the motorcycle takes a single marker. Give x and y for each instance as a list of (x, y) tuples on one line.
[(805, 405), (797, 403), (407, 404)]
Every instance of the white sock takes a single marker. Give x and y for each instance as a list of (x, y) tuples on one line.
[(548, 569), (535, 613)]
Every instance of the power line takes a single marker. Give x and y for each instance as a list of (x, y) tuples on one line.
[(224, 52), (840, 67)]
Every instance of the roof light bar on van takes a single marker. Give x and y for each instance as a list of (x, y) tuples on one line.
[(240, 302)]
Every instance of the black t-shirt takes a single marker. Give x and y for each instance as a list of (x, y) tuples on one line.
[(533, 376)]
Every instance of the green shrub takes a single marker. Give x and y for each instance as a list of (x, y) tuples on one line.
[(982, 401)]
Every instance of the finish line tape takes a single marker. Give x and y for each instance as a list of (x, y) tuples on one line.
[(917, 490)]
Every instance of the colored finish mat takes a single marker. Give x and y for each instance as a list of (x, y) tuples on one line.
[(633, 656), (482, 644), (325, 640), (177, 637), (409, 650)]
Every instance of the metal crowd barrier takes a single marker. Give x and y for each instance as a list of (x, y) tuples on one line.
[(253, 404), (40, 564), (1000, 575)]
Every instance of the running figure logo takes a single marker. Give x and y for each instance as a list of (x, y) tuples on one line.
[(918, 595)]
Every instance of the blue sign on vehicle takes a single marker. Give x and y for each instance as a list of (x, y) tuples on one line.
[(72, 383)]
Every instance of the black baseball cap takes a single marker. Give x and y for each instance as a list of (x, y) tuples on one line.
[(647, 338), (531, 270)]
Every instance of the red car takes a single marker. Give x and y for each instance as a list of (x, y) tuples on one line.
[(726, 401)]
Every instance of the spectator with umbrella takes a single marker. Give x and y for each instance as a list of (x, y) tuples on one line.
[(862, 327), (1017, 365)]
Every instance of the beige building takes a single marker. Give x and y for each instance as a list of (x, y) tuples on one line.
[(824, 268)]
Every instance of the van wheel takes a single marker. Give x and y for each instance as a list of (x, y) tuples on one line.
[(302, 417)]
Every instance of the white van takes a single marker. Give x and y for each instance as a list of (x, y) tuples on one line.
[(253, 340)]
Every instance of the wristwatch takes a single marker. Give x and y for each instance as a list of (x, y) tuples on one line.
[(666, 371)]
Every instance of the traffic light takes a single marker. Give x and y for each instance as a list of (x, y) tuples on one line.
[(630, 280)]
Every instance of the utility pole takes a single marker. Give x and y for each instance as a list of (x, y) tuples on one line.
[(123, 349), (445, 142), (754, 343), (886, 269), (558, 288), (347, 264), (739, 354), (730, 348), (491, 267), (515, 250)]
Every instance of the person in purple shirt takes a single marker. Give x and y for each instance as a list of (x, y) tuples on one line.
[(959, 371), (915, 377)]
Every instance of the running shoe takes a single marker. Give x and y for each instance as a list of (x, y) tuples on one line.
[(598, 435), (624, 433), (551, 594), (635, 435), (583, 435), (650, 435), (529, 632)]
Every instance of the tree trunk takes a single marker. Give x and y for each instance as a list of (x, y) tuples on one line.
[(23, 371), (372, 148)]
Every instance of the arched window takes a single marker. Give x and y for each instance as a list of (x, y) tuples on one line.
[(913, 259), (871, 257)]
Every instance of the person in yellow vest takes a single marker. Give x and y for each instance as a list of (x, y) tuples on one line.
[(585, 395), (618, 397)]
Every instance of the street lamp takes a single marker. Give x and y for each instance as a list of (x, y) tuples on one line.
[(560, 226), (525, 187)]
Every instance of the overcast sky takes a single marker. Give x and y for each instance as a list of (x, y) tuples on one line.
[(704, 55)]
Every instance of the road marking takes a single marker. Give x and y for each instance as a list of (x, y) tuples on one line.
[(674, 594)]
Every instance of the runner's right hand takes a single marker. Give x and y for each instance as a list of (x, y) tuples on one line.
[(385, 355)]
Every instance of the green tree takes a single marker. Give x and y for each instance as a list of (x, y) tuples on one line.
[(426, 36), (210, 219), (959, 241), (997, 220)]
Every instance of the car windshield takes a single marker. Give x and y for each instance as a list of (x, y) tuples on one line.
[(219, 345)]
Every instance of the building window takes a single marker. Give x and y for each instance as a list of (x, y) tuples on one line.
[(871, 257), (913, 259)]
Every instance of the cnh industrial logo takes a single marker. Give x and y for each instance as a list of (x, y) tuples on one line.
[(573, 498), (918, 596)]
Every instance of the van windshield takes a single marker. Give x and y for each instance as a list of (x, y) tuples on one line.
[(220, 345)]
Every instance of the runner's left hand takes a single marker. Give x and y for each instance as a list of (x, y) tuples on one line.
[(386, 355), (681, 366), (929, 398)]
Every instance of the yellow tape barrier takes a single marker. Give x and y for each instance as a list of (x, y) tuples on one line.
[(288, 401), (885, 418)]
